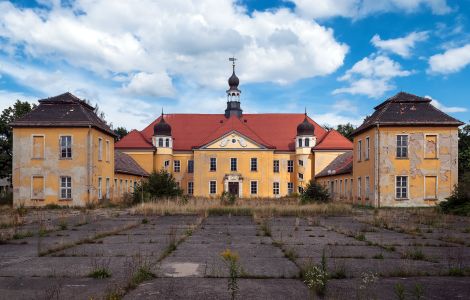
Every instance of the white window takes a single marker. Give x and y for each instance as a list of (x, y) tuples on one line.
[(301, 162), (300, 142), (402, 187), (367, 188), (276, 166), (359, 150), (107, 188), (190, 166), (212, 187), (254, 187), (254, 164), (160, 142), (167, 142), (100, 149), (307, 142), (290, 188), (276, 188), (213, 164), (359, 192), (108, 156), (176, 166), (100, 186), (65, 187), (166, 163), (290, 166), (233, 164), (301, 176), (190, 187), (402, 146), (66, 146), (367, 148)]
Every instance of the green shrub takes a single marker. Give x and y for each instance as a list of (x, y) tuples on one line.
[(157, 186), (459, 202), (6, 198), (100, 273), (314, 192), (227, 198)]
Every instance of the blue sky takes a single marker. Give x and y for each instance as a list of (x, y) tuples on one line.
[(337, 58)]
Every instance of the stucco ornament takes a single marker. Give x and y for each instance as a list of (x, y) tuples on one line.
[(242, 142)]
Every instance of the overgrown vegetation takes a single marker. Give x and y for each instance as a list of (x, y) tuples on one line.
[(100, 273), (459, 202), (157, 186), (231, 260), (227, 198), (316, 276), (314, 193)]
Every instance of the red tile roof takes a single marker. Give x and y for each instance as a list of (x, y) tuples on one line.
[(333, 140), (276, 131), (343, 164)]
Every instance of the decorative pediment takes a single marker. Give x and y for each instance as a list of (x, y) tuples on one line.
[(233, 140)]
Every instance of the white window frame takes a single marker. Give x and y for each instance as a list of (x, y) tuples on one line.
[(359, 150), (407, 187), (108, 153), (176, 166), (215, 185), (367, 149), (233, 159), (254, 163), (402, 147), (60, 146), (301, 176), (290, 188), (251, 187), (108, 183), (213, 159), (276, 190), (437, 186), (100, 149), (290, 166), (191, 187), (66, 188), (100, 187), (276, 166)]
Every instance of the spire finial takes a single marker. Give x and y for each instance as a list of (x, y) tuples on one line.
[(162, 111), (233, 59), (305, 110)]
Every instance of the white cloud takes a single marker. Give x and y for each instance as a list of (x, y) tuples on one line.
[(145, 84), (345, 106), (371, 76), (361, 8), (334, 119), (401, 46), (451, 61), (446, 109)]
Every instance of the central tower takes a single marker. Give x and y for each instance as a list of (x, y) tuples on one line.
[(233, 94)]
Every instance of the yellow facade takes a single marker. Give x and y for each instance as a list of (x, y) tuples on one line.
[(430, 166), (70, 180), (340, 187)]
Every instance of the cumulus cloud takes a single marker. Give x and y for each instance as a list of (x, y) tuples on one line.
[(446, 109), (451, 61), (371, 76), (401, 46), (357, 9), (145, 84)]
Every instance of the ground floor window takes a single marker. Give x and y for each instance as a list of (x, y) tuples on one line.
[(276, 188), (290, 188), (367, 188), (301, 190), (100, 186), (254, 187), (65, 187), (37, 187), (402, 187), (190, 188), (359, 187), (107, 188), (212, 187)]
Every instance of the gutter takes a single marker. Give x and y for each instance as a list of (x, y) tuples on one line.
[(377, 172), (88, 174)]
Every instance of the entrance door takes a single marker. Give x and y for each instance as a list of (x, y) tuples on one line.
[(233, 188)]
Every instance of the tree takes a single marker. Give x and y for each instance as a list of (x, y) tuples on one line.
[(314, 192), (120, 132), (10, 114), (158, 185), (464, 150), (346, 130)]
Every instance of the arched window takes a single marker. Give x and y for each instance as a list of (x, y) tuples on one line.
[(167, 143), (307, 142), (160, 142), (300, 143)]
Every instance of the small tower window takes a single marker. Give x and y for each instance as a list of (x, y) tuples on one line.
[(300, 143), (307, 142), (167, 143), (160, 142)]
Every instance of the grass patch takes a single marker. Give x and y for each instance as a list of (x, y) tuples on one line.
[(291, 254), (415, 254), (100, 273), (378, 256), (142, 274), (360, 237), (22, 235)]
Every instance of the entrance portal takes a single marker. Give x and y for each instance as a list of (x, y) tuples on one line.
[(233, 188)]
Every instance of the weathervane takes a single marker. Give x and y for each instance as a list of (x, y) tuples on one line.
[(233, 59)]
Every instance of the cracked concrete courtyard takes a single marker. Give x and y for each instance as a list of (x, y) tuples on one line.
[(96, 254)]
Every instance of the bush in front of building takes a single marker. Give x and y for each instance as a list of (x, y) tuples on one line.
[(314, 192), (459, 202), (227, 198), (6, 198), (158, 185)]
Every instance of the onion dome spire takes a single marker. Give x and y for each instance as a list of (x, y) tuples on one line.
[(305, 128), (162, 127), (233, 94)]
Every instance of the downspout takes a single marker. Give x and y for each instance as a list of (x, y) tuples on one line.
[(88, 179), (377, 169)]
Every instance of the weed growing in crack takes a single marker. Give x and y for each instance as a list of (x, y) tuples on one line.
[(231, 260), (100, 269), (415, 254), (266, 227), (418, 291), (290, 254), (399, 290)]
